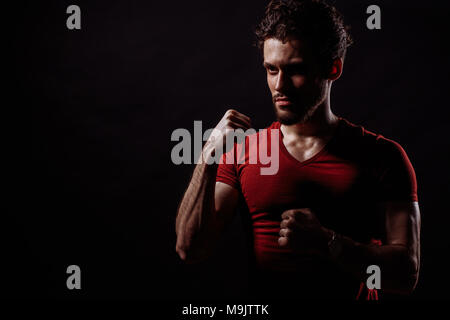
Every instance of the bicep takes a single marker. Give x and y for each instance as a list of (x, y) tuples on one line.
[(226, 200)]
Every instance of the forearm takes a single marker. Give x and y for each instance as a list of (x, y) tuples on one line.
[(398, 265), (195, 218)]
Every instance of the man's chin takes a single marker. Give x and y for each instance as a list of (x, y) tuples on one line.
[(289, 117), (294, 114)]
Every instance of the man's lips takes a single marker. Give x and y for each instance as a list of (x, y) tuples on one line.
[(283, 102)]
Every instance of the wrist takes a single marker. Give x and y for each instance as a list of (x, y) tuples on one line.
[(322, 242), (208, 154)]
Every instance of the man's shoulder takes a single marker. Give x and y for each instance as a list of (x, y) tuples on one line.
[(361, 139)]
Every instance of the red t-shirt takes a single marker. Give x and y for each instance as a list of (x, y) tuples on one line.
[(343, 185)]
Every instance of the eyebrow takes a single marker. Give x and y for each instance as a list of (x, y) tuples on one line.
[(293, 64)]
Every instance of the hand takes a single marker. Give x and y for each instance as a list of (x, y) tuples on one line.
[(232, 120), (301, 231)]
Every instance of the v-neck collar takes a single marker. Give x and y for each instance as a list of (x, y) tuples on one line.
[(324, 149)]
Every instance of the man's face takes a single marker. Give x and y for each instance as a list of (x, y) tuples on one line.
[(293, 76)]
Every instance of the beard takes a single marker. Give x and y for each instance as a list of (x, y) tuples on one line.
[(294, 114), (302, 108)]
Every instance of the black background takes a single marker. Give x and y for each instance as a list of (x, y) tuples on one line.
[(98, 106)]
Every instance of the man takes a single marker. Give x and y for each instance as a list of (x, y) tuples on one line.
[(343, 198)]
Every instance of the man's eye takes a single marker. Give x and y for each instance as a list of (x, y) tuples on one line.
[(272, 70), (297, 70)]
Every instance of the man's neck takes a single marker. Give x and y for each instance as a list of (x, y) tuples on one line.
[(320, 124)]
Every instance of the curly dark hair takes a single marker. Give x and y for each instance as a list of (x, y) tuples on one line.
[(314, 21)]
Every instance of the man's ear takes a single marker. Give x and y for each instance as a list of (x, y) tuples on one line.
[(336, 69)]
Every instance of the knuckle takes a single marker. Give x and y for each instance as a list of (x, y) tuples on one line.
[(289, 222), (296, 214), (283, 241), (229, 118)]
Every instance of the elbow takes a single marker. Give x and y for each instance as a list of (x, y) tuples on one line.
[(184, 247), (407, 278), (190, 254), (181, 252), (412, 274), (412, 286), (407, 286), (194, 247)]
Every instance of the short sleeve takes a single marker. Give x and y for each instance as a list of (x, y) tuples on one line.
[(398, 179), (226, 171)]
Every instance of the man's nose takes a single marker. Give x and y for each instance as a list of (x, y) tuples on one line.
[(282, 81)]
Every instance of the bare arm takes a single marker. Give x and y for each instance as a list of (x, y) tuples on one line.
[(398, 258), (207, 207)]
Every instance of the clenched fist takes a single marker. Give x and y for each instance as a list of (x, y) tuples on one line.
[(301, 231), (232, 120)]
